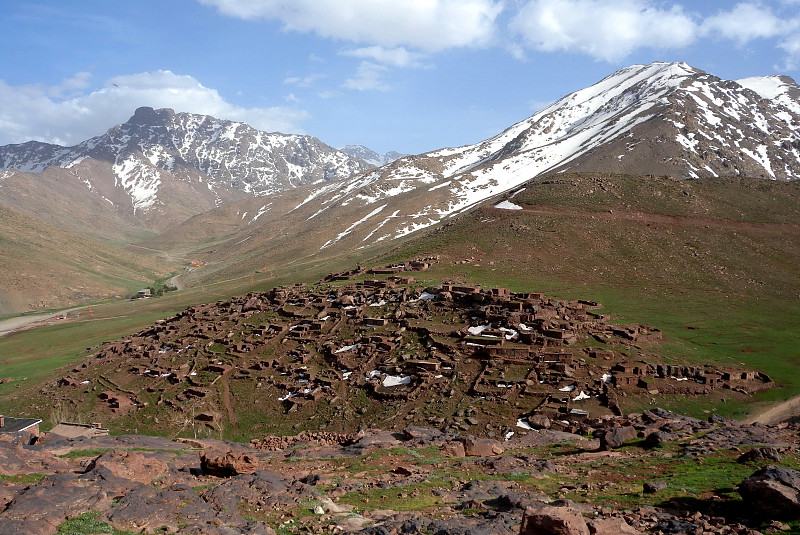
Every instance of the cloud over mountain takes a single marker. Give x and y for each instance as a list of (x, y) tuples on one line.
[(65, 115)]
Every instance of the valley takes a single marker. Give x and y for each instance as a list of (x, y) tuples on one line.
[(478, 339)]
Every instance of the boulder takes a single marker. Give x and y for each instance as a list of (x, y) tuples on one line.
[(539, 421), (482, 447), (454, 449), (653, 486), (612, 526), (658, 438), (760, 454), (552, 521), (615, 437), (773, 491), (227, 464)]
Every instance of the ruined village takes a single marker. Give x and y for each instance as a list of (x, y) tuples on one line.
[(376, 402), (367, 344)]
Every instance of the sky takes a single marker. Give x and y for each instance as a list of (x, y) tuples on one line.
[(394, 75)]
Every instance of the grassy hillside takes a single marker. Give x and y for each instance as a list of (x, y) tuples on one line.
[(43, 267), (31, 356), (713, 263)]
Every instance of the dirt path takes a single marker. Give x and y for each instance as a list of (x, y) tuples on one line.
[(21, 322), (176, 282), (777, 413), (227, 398)]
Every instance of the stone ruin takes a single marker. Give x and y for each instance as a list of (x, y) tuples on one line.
[(558, 361)]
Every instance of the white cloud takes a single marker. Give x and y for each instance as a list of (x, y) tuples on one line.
[(394, 57), (791, 45), (606, 30), (424, 24), (32, 112), (303, 81), (368, 77), (744, 23)]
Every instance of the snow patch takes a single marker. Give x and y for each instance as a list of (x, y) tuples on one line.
[(508, 205)]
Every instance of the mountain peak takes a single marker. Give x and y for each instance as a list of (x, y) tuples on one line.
[(147, 116), (370, 156), (780, 89)]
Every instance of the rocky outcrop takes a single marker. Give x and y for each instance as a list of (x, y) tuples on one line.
[(149, 484), (773, 491)]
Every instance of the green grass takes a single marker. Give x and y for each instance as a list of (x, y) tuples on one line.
[(403, 498), (87, 524), (23, 479)]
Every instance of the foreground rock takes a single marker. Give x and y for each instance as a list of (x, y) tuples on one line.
[(773, 491), (227, 464), (363, 483), (554, 521)]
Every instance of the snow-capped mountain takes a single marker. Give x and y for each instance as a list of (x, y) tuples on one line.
[(370, 156), (224, 159), (662, 119), (780, 89), (657, 119)]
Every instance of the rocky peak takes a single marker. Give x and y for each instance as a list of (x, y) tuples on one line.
[(146, 116)]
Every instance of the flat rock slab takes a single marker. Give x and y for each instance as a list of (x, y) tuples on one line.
[(18, 460)]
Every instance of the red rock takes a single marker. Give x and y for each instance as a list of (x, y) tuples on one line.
[(227, 464), (454, 449), (482, 447), (552, 521), (130, 465)]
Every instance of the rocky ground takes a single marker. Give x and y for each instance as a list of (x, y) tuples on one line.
[(654, 472)]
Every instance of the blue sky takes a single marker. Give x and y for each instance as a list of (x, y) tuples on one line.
[(405, 75)]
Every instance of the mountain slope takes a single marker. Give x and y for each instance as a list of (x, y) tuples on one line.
[(42, 266), (664, 119), (161, 167)]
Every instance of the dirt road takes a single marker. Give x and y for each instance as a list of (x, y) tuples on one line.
[(15, 324), (781, 412), (176, 282)]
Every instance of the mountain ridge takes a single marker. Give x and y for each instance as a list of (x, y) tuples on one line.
[(661, 119), (644, 119), (370, 156), (206, 160)]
